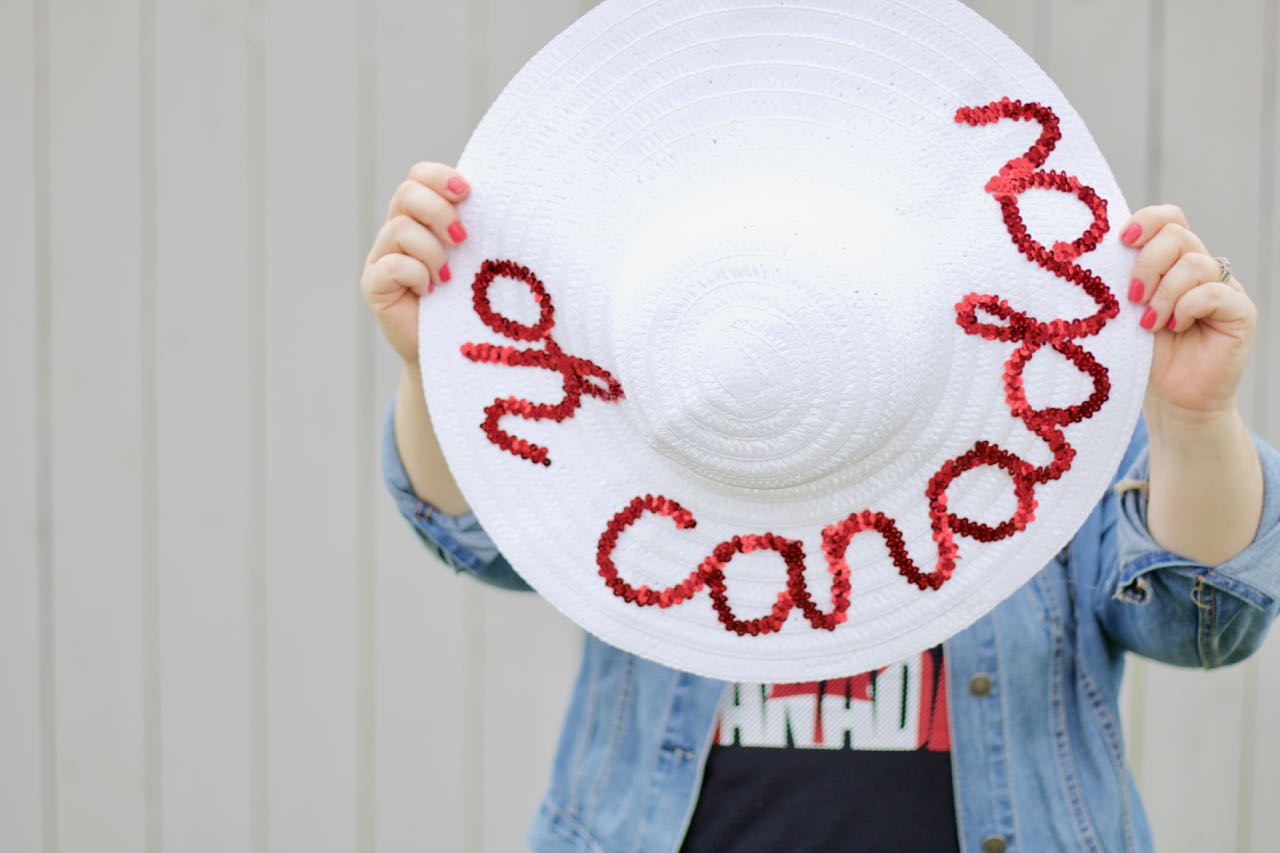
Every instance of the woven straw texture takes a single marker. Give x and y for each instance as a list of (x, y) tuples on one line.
[(758, 219)]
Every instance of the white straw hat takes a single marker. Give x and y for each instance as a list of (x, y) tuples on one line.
[(786, 342)]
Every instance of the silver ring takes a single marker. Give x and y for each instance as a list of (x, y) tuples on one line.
[(1225, 266)]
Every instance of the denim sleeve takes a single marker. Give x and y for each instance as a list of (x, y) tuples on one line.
[(1170, 608), (458, 540)]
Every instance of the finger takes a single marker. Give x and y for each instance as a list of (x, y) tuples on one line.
[(430, 208), (1145, 223), (441, 178), (386, 279), (408, 236), (1190, 270), (1213, 301), (1159, 254)]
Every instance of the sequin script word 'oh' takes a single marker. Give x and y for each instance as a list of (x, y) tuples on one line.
[(1029, 333), (579, 375)]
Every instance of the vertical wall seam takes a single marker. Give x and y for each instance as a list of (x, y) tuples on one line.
[(255, 504), (366, 456), (1263, 295), (44, 429), (1040, 33), (153, 783), (1155, 100), (1267, 276), (1246, 745), (473, 601), (1153, 186)]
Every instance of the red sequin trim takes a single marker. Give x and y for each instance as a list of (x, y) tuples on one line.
[(1029, 333), (580, 375), (710, 572)]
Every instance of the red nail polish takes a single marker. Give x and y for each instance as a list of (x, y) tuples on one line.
[(1135, 290), (1173, 322), (456, 185), (1149, 318), (456, 232), (445, 275), (1131, 233), (431, 285)]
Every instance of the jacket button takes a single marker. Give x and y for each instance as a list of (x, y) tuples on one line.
[(995, 844), (980, 685)]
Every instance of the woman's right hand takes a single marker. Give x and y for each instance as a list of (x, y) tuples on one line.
[(407, 261), (408, 255)]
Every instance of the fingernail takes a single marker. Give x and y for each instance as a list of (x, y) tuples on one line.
[(456, 232), (1173, 322), (431, 285), (1131, 233), (1135, 290), (445, 275), (1149, 318), (456, 185)]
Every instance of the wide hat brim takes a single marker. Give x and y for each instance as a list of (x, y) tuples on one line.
[(786, 340)]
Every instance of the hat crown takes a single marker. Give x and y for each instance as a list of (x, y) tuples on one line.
[(758, 329)]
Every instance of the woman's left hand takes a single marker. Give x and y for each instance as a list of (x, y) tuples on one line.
[(1204, 327), (1205, 481)]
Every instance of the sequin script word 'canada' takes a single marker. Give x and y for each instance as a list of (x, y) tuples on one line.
[(579, 375), (1029, 333)]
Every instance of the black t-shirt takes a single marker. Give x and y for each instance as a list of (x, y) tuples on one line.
[(859, 764)]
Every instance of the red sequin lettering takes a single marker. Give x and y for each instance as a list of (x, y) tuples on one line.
[(1029, 333), (579, 376)]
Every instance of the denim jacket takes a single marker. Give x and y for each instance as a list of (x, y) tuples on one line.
[(1037, 751)]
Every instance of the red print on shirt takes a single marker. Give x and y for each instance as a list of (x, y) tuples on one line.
[(897, 707)]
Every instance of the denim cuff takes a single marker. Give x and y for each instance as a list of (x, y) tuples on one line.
[(1253, 574), (459, 540)]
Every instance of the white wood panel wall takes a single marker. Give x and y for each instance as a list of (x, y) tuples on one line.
[(216, 634)]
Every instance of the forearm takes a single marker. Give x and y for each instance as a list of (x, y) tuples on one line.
[(1205, 498), (420, 450)]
